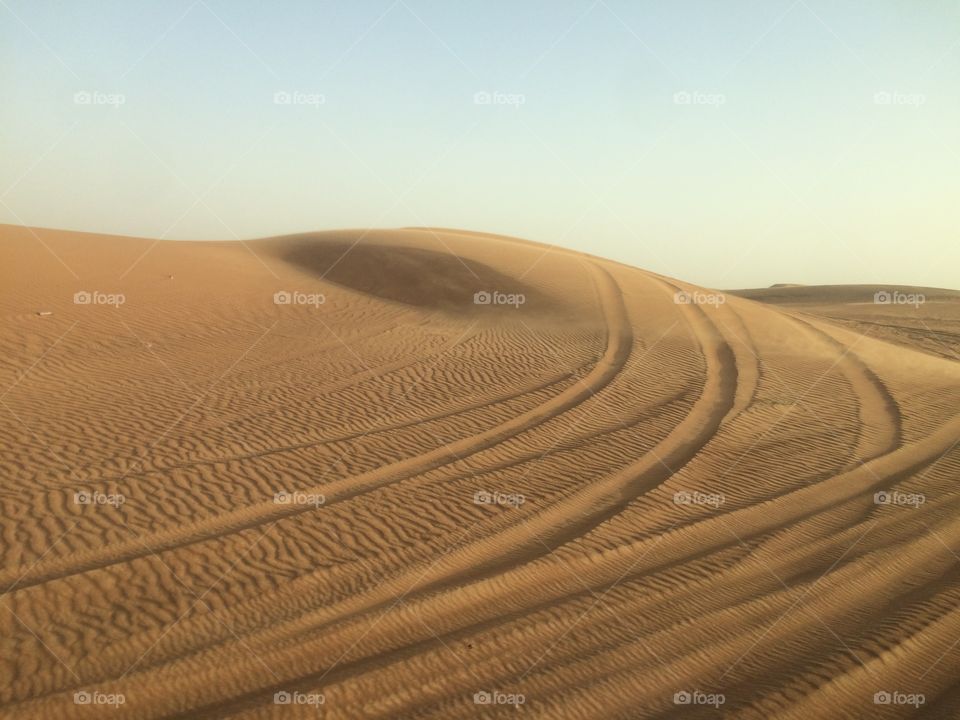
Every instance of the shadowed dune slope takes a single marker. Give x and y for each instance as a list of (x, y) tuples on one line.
[(378, 265), (429, 473)]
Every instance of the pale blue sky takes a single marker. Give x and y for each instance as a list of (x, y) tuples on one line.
[(820, 143)]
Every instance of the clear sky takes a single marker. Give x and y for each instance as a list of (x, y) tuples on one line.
[(730, 144)]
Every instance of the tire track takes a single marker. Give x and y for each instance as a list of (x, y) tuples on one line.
[(529, 539), (619, 340), (505, 596), (877, 407)]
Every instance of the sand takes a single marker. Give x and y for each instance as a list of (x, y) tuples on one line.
[(428, 473)]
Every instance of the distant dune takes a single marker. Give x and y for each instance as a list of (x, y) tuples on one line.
[(920, 318), (438, 474)]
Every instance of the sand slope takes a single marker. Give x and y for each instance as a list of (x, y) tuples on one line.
[(388, 498)]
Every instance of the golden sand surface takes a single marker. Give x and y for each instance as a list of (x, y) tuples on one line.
[(439, 474)]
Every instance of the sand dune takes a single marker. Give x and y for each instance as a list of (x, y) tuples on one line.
[(429, 473)]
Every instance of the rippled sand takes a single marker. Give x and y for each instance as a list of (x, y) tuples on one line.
[(439, 474)]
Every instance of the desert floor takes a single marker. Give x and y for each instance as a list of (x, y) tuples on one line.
[(591, 497)]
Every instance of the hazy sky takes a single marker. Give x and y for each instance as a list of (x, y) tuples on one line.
[(730, 144)]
